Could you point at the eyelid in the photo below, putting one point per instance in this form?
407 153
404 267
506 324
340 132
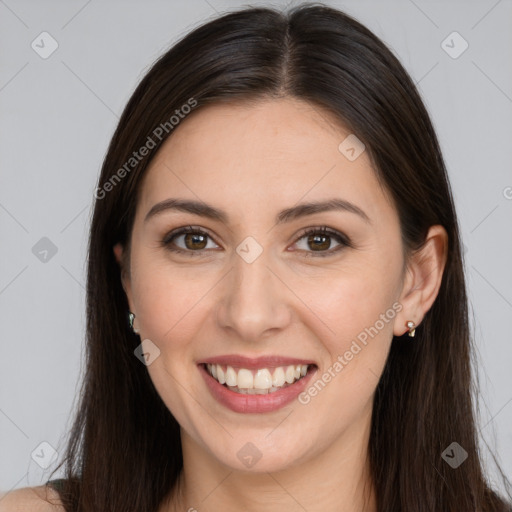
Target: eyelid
325 230
183 230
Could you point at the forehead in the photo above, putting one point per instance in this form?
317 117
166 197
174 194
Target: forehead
249 156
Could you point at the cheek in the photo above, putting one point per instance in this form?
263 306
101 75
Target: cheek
349 303
168 309
362 319
359 307
167 301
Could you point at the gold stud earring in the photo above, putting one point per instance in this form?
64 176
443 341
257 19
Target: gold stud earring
412 329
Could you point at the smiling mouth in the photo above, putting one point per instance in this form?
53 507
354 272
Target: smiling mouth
257 381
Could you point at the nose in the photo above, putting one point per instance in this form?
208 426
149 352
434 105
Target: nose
254 301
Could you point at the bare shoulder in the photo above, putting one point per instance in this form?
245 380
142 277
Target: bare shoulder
31 499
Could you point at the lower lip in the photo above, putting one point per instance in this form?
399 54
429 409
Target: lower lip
239 402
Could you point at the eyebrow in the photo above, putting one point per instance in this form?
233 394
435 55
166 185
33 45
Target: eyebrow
287 215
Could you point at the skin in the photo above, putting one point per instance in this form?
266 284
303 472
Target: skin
254 160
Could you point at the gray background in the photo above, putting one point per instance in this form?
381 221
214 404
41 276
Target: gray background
58 114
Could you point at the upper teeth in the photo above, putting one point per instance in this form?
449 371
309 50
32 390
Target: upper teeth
261 378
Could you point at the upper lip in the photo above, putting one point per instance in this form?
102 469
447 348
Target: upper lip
240 361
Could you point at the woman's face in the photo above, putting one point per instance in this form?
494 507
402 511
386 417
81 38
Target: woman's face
251 291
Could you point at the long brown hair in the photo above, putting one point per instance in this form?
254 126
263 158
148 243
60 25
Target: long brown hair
124 450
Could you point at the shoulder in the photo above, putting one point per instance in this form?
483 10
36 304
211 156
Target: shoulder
31 499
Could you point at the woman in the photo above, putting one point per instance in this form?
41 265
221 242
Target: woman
276 302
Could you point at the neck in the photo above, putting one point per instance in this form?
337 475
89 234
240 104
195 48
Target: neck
337 479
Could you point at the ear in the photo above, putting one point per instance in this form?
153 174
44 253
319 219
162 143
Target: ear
423 279
125 276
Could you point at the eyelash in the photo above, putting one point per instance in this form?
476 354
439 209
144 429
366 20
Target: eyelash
343 240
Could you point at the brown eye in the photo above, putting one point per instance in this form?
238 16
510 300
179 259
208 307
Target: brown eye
194 241
317 241
189 240
320 240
